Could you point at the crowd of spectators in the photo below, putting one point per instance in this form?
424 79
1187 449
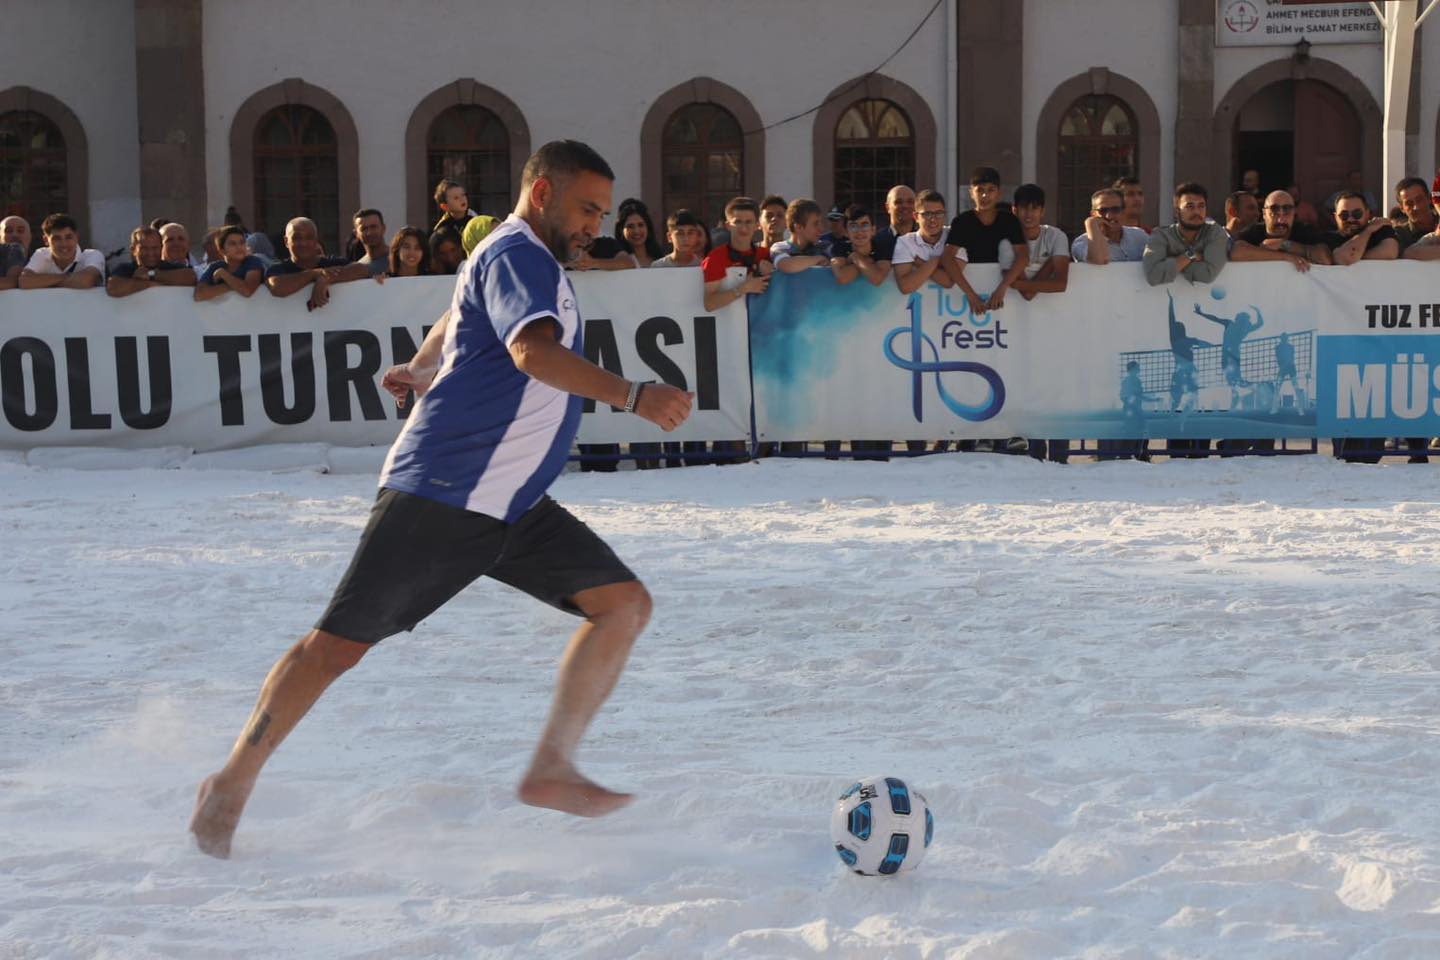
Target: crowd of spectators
913 241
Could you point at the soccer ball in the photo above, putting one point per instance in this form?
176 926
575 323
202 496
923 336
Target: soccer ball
881 826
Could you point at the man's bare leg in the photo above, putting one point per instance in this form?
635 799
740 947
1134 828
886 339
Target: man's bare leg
615 616
291 689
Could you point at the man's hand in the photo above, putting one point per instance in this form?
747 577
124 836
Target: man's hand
997 297
1094 226
977 306
402 378
1301 263
1275 243
756 283
319 293
664 406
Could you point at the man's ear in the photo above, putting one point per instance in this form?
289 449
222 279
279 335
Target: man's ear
542 193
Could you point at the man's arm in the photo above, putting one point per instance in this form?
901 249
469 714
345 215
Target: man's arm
30 280
1424 249
910 277
287 284
1053 277
1213 257
11 280
718 299
1007 282
125 286
871 269
419 371
1160 266
538 354
1387 249
83 279
955 272
184 277
801 264
1246 251
1097 248
844 270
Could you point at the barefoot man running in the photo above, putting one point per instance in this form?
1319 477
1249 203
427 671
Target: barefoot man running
462 494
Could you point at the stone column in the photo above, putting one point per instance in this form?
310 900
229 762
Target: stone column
1196 111
170 84
991 54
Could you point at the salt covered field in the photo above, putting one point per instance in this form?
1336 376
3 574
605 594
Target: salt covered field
1179 710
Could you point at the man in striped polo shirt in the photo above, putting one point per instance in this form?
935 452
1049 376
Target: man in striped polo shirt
501 379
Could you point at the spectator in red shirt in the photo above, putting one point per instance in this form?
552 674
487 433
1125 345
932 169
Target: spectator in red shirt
739 267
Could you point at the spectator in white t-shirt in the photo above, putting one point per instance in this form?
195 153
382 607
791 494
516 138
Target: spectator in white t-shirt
687 241
1049 268
62 262
916 261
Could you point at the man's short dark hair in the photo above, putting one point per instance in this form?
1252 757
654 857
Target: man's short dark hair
742 203
773 199
1122 182
368 212
224 233
59 221
1029 195
561 159
1096 198
1344 195
1232 202
929 196
682 218
140 233
799 211
984 175
446 234
1191 188
857 211
444 187
1409 182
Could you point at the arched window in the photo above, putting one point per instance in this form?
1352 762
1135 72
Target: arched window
33 173
1099 141
297 174
874 150
470 145
702 162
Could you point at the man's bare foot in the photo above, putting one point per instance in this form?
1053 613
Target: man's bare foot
569 792
217 814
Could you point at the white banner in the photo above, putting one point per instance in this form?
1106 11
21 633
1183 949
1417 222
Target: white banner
157 369
1284 22
1111 357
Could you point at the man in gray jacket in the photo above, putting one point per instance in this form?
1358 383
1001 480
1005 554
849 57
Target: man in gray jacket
1190 247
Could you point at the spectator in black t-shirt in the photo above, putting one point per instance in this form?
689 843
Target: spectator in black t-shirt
146 269
1421 219
1360 234
837 241
772 220
307 267
1242 211
865 258
979 233
1279 237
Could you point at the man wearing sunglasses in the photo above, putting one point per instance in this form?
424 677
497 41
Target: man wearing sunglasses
1280 237
1359 235
1106 237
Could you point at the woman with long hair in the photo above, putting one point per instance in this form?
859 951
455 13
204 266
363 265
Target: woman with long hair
409 253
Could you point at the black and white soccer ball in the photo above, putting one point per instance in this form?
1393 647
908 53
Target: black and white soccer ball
881 826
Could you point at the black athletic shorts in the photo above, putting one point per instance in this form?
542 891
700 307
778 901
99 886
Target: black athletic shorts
417 553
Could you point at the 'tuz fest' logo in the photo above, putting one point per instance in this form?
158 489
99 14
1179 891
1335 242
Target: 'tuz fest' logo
956 332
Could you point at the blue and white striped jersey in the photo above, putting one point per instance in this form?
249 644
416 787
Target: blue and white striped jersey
486 437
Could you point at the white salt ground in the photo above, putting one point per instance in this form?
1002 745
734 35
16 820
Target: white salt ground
1186 710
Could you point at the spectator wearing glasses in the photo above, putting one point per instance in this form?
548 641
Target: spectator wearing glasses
146 269
1242 211
772 220
1106 238
865 258
62 262
917 261
1133 195
1421 220
1279 237
236 268
1359 234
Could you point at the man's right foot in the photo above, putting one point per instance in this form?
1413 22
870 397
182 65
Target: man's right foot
571 793
217 814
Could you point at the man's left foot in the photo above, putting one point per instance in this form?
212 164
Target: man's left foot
571 793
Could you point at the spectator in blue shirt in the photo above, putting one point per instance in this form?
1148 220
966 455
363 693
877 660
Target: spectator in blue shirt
237 269
1105 237
308 267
